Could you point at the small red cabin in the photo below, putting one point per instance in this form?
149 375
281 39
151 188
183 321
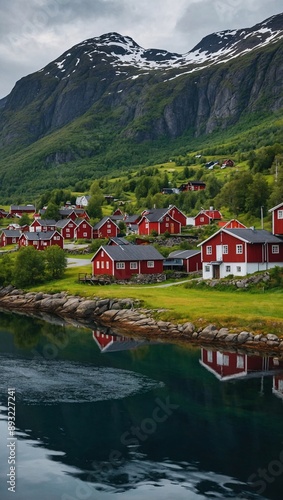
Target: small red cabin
9 237
67 228
106 228
84 230
41 240
122 261
158 220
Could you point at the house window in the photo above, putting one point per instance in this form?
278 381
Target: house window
150 263
67 230
275 248
228 269
102 253
240 361
133 265
107 265
225 249
201 219
239 269
280 214
98 265
85 235
102 265
209 356
108 225
108 231
167 224
207 269
120 265
239 249
13 240
209 250
84 226
167 218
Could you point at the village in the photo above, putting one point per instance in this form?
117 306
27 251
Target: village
232 250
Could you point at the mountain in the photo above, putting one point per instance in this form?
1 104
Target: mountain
107 102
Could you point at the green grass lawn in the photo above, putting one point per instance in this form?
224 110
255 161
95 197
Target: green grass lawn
257 311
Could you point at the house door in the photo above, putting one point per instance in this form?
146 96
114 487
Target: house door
172 228
218 252
216 272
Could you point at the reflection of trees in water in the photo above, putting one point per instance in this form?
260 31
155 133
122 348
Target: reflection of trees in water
28 330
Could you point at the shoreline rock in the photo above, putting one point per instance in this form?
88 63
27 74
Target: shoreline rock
126 317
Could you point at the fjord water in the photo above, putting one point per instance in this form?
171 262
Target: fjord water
104 417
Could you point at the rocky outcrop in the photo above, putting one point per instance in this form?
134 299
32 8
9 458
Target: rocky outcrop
125 316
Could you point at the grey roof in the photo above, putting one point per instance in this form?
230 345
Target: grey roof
156 214
22 207
64 222
46 222
41 235
254 235
184 254
132 252
102 221
131 219
119 241
16 233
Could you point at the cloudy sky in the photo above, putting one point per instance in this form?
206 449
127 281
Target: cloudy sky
34 33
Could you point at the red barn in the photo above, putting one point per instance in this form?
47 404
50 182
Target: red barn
84 230
41 240
67 228
240 252
106 228
9 237
158 220
42 225
232 365
125 260
277 219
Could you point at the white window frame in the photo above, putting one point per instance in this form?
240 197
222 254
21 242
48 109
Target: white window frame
239 269
280 214
239 249
228 269
150 264
107 264
240 361
207 269
275 248
208 250
225 250
209 356
97 264
120 265
133 265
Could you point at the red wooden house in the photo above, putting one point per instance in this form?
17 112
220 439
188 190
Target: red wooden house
277 219
84 230
125 260
41 240
118 211
106 228
232 365
188 261
277 385
42 225
214 214
9 237
3 213
19 210
67 228
232 224
193 186
158 220
176 214
240 252
202 219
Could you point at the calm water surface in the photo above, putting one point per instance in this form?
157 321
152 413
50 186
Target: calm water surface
104 417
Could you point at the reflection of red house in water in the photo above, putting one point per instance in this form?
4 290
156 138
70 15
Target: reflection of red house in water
113 343
277 388
232 365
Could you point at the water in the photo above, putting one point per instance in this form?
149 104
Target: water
104 417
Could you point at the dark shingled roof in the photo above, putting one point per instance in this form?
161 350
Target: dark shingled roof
253 235
132 252
184 254
41 235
